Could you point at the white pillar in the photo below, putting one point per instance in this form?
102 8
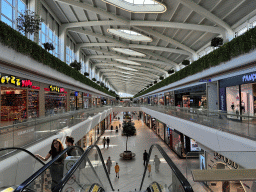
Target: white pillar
63 43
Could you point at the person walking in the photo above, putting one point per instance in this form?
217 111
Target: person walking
111 127
56 170
157 163
104 142
117 169
145 157
149 169
109 164
108 141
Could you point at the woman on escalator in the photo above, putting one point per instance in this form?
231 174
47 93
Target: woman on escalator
56 168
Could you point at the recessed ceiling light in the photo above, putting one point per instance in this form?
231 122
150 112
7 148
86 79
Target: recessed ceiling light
139 6
128 62
130 35
129 52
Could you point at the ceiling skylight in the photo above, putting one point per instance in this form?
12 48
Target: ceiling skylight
138 6
126 73
129 52
130 35
127 61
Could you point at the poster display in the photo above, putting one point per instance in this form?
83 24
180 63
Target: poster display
194 145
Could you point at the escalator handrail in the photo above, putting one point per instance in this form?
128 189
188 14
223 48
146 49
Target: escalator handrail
65 179
184 182
29 180
24 150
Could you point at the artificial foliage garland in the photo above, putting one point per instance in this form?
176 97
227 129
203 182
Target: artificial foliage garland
15 40
237 46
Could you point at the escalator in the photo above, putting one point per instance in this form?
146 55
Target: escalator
11 154
88 173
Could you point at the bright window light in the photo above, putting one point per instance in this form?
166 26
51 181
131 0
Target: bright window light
127 62
130 35
129 52
138 6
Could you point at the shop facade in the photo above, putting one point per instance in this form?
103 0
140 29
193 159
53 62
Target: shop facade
87 100
169 98
191 97
237 95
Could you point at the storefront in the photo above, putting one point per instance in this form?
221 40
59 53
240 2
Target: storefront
154 100
161 99
19 99
238 95
168 136
87 100
55 100
160 129
194 97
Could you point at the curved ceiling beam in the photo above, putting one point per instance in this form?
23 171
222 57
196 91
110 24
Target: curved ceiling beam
97 10
145 52
123 71
205 13
165 24
146 60
155 48
113 63
112 75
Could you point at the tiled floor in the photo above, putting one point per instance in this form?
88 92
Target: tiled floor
131 171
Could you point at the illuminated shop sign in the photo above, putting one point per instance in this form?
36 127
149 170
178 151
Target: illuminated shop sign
16 81
55 89
35 87
250 77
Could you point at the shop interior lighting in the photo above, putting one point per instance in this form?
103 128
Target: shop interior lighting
128 62
129 35
129 52
138 6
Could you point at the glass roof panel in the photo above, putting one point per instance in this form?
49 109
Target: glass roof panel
127 68
129 52
130 35
127 61
139 6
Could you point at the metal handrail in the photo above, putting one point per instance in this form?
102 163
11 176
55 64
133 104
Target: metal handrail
184 182
58 188
28 181
24 150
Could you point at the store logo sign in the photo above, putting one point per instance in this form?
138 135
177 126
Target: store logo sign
15 81
251 77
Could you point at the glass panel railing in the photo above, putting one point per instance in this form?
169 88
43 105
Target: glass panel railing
47 177
20 164
163 171
211 163
27 132
241 125
89 169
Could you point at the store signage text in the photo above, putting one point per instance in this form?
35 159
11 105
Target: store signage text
251 77
35 87
16 81
205 80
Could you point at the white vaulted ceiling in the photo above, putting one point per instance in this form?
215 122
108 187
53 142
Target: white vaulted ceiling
171 35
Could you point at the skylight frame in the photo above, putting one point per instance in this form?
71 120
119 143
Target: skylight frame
129 52
138 8
126 68
129 36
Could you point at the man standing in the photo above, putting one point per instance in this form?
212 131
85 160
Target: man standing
108 141
109 164
70 142
145 157
104 142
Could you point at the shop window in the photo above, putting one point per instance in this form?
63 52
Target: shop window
233 101
55 103
247 99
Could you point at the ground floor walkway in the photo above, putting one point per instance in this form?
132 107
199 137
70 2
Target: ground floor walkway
131 171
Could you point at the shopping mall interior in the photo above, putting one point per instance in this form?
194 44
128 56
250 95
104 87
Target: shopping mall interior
107 80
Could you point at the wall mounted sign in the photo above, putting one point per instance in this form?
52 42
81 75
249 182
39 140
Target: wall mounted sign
250 77
15 81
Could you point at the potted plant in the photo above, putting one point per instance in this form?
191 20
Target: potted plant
155 82
48 46
128 131
76 65
86 74
161 78
170 71
102 84
185 62
93 79
98 82
216 42
28 22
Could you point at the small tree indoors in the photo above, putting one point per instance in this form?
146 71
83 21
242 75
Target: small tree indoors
128 130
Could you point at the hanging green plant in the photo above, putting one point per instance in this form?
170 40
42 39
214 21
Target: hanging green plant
28 22
185 62
76 65
216 42
170 71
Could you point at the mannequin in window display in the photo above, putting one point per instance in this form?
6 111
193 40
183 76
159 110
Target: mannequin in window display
232 106
243 106
237 110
